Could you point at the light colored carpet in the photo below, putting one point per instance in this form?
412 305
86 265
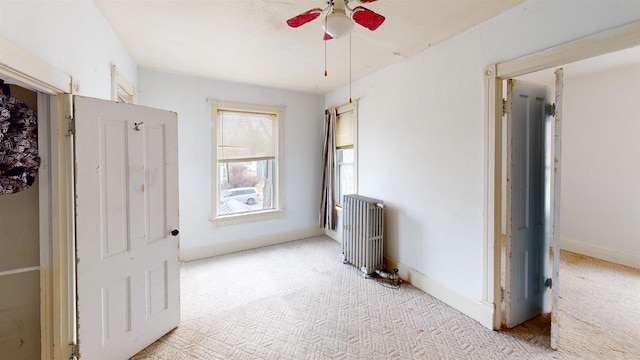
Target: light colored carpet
298 301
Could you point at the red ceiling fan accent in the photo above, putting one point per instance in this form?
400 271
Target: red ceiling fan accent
304 18
360 15
367 18
338 16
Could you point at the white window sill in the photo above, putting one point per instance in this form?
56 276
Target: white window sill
248 217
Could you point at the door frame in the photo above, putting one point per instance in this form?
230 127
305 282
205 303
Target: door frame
604 42
57 320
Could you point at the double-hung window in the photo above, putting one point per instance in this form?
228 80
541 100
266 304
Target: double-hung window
247 150
346 130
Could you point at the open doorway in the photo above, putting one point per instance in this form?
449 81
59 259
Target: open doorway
601 134
24 219
600 201
616 39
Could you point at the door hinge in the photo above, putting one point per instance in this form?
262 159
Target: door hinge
548 283
75 352
72 126
551 109
505 110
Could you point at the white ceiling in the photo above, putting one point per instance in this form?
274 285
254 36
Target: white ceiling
248 41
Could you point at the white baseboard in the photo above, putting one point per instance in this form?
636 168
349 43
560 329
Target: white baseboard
479 311
486 316
334 235
622 258
202 252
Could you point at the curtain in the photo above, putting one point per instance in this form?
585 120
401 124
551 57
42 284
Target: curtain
327 206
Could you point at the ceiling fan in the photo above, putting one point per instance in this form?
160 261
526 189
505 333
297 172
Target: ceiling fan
339 17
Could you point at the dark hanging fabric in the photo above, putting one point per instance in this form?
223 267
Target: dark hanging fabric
19 159
6 89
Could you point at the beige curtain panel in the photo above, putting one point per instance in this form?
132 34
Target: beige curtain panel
327 206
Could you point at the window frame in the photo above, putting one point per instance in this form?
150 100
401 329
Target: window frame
278 201
343 109
122 90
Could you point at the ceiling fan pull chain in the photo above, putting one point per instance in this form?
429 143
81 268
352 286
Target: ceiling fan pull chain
350 66
325 50
325 58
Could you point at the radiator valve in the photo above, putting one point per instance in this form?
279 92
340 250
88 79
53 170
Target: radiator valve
393 277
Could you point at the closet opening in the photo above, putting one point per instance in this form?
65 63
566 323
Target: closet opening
25 222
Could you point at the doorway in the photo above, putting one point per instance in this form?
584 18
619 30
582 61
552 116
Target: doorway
601 134
25 224
600 201
598 44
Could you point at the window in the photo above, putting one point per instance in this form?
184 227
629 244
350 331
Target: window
121 89
346 130
345 180
245 153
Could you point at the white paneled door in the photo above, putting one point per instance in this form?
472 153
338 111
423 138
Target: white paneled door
126 227
527 251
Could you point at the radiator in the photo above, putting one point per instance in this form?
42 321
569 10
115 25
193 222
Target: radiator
362 236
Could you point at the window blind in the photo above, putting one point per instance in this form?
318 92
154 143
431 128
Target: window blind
344 130
244 136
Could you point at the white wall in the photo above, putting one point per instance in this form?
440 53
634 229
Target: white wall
301 165
71 36
600 210
421 134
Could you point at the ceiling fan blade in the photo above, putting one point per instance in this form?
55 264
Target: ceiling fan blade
327 37
304 18
367 18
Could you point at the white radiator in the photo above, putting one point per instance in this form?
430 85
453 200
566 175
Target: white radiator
362 236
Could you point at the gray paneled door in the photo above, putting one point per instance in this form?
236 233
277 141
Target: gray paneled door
527 245
127 219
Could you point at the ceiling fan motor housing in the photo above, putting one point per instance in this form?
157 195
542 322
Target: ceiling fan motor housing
339 17
338 24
